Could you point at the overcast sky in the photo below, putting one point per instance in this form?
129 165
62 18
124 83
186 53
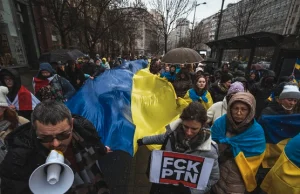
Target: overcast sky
204 11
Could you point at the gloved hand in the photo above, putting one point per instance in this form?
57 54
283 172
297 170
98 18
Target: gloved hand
183 189
140 142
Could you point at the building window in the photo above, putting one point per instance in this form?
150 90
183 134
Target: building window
293 20
296 8
290 31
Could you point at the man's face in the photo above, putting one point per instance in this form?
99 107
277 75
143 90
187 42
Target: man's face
56 137
9 82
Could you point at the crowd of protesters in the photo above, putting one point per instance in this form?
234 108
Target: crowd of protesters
222 121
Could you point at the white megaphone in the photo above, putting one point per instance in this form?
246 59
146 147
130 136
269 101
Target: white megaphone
53 177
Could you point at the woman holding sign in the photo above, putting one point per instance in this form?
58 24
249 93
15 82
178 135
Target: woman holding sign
187 136
241 144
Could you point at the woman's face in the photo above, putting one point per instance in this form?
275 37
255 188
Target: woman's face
239 111
227 84
167 69
288 103
252 76
191 128
201 83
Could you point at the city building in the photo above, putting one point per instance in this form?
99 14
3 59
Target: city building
205 31
279 17
18 42
180 32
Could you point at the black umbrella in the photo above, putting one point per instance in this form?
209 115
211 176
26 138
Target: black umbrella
62 55
182 55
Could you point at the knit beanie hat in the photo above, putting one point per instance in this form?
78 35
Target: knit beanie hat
199 69
3 93
236 87
225 78
290 91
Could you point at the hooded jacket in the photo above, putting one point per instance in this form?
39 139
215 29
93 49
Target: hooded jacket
261 92
19 96
59 83
17 82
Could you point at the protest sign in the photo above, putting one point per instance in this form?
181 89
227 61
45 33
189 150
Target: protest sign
173 168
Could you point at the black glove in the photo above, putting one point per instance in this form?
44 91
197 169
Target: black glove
183 189
140 142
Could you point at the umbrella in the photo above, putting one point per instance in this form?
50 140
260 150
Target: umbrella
182 55
62 55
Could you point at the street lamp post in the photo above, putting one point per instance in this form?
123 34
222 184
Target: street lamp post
219 21
192 33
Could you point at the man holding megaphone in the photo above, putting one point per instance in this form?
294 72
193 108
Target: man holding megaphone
55 153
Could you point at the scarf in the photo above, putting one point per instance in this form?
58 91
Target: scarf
195 97
182 144
222 87
88 178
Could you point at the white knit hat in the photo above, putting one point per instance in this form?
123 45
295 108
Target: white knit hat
290 91
3 93
199 69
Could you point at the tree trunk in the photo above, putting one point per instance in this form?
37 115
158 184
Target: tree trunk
166 43
64 41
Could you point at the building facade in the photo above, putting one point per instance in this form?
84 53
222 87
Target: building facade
181 32
269 16
206 30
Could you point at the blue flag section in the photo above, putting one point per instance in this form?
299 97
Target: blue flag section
280 127
106 102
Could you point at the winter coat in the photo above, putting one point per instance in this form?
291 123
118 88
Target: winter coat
19 92
207 149
205 99
216 111
61 87
217 93
261 92
274 108
25 154
170 77
75 75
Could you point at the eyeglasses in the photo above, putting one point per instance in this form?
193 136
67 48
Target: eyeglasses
241 110
49 138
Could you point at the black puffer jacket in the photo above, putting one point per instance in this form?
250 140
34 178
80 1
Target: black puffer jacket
261 91
217 93
25 154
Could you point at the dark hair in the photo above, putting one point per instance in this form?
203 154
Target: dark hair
11 116
155 66
50 112
194 111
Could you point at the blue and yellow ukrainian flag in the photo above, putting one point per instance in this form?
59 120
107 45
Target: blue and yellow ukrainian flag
279 129
127 103
248 148
285 174
205 99
297 64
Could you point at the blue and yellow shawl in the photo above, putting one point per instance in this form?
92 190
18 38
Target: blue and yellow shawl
285 174
248 148
279 129
205 99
